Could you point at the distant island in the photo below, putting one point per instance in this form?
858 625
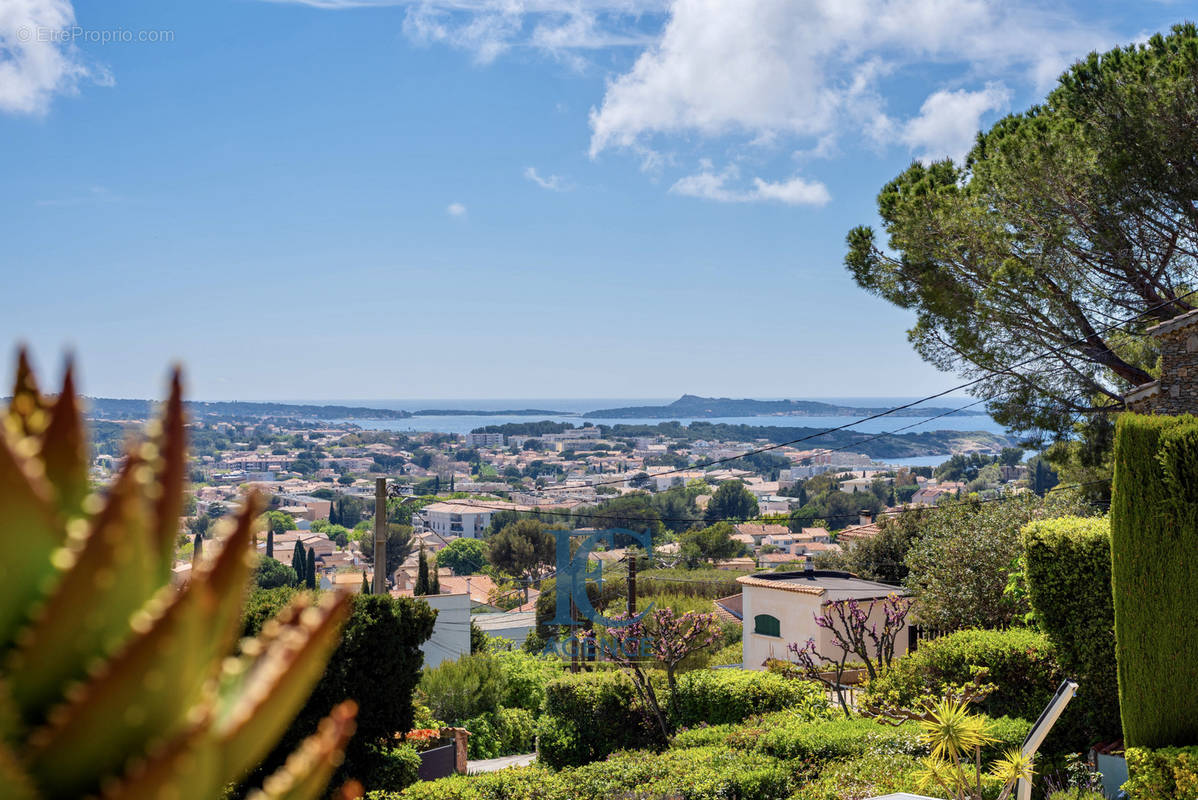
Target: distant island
115 408
474 412
693 406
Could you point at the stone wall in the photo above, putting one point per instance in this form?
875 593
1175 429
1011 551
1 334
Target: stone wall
1177 390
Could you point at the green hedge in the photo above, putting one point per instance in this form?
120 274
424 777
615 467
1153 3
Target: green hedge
504 732
1154 543
700 773
393 770
1069 585
718 696
588 716
1021 662
1170 773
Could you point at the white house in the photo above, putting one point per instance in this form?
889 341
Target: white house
780 608
451 631
457 519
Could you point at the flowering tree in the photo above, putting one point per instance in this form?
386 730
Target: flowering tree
853 635
666 638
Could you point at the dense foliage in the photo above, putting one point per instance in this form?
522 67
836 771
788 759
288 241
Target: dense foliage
1021 663
1064 217
1154 546
1068 569
1168 773
961 563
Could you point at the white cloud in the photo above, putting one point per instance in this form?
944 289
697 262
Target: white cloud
455 210
36 60
948 121
489 28
719 186
807 68
554 183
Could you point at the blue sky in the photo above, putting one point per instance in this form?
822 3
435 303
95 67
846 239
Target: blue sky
487 198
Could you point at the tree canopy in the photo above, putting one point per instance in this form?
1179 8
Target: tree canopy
1064 219
522 549
463 555
731 501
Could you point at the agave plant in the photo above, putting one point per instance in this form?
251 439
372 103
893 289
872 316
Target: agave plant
113 683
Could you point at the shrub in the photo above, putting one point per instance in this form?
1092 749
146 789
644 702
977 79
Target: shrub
505 732
708 583
699 773
1168 773
459 690
814 743
869 775
702 736
1154 544
525 678
731 695
517 783
727 656
1069 585
1021 664
588 716
393 770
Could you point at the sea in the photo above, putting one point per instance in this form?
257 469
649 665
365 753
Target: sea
575 410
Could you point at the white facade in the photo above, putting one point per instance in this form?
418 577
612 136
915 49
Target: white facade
451 631
484 439
457 519
789 602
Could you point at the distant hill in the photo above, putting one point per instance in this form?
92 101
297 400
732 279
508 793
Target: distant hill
693 406
892 445
114 408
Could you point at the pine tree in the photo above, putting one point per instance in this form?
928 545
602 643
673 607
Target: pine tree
365 583
423 586
270 543
310 572
299 561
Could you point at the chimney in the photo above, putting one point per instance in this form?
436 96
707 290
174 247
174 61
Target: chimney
867 516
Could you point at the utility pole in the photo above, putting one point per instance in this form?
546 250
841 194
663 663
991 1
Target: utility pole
380 536
630 554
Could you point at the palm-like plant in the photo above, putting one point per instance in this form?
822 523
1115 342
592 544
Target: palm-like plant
956 738
113 683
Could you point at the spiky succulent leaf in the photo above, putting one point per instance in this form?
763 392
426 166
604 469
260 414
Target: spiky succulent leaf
265 688
307 770
145 692
111 680
30 525
106 577
64 452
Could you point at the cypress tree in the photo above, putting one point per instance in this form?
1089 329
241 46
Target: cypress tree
197 548
422 582
434 580
451 477
299 561
270 543
334 517
365 583
310 572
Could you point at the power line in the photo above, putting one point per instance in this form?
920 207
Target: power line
1050 352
